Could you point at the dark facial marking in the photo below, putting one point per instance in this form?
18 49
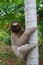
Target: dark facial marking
15 27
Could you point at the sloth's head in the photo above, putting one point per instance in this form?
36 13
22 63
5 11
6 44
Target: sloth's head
15 27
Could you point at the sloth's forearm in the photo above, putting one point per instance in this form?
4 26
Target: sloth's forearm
24 38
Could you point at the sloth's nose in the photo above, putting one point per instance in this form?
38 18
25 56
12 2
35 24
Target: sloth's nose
13 26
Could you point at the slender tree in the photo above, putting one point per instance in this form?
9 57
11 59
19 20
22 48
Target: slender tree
31 21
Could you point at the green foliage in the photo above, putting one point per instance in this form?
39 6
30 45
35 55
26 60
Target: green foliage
10 11
40 23
5 37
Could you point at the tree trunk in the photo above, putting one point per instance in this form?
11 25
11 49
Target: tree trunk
31 21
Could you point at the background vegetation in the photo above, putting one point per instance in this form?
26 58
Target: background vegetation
13 10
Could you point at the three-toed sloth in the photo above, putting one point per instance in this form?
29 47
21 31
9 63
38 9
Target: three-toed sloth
19 40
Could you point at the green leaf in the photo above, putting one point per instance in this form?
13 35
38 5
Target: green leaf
37 1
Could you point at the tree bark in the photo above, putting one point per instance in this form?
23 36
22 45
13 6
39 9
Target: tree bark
31 21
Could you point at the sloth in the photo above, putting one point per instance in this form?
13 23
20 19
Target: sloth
19 40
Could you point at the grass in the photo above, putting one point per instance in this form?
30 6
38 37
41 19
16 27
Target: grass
8 58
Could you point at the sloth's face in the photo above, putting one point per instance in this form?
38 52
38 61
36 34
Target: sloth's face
15 27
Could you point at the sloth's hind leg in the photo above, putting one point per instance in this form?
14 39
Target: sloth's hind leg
23 50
